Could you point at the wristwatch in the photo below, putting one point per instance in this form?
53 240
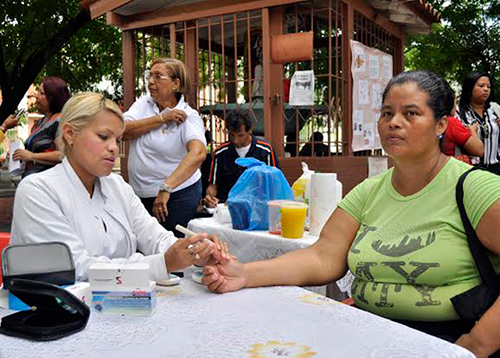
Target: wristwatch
166 188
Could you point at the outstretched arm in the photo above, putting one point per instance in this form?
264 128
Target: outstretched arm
323 262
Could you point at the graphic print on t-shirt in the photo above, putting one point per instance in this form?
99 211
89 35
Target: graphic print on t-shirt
393 242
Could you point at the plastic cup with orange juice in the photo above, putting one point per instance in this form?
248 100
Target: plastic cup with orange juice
293 219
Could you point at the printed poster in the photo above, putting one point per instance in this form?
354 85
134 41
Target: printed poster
371 69
302 88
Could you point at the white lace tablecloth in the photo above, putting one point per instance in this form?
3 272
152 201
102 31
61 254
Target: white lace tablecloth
263 322
254 245
250 246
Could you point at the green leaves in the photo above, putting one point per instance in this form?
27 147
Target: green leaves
54 38
93 54
468 39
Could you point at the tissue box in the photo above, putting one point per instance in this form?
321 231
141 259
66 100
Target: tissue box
119 277
125 302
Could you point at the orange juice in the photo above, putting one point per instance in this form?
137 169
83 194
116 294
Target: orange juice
293 218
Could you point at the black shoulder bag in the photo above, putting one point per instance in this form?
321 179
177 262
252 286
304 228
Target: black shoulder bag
472 304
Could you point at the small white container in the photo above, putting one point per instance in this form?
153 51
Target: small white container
221 214
275 215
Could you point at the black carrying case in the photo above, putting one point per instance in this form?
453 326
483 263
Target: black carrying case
50 262
32 272
55 312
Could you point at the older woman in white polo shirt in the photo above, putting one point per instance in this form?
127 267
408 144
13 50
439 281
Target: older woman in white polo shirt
167 146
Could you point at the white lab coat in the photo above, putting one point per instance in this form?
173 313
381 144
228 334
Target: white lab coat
55 206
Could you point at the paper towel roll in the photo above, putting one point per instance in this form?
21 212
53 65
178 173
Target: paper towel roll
323 201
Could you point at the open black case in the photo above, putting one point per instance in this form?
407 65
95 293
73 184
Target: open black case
32 273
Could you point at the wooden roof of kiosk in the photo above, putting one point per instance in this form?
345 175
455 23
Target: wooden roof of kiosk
367 21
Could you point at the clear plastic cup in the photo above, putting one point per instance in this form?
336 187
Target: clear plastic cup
293 219
275 215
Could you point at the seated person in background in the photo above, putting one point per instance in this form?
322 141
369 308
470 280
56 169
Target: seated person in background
97 214
320 148
224 172
400 232
461 140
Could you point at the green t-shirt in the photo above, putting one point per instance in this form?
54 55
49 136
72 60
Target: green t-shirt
410 255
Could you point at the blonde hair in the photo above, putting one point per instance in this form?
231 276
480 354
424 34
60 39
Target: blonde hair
176 70
80 111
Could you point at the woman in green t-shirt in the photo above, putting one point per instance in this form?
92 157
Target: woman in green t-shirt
400 233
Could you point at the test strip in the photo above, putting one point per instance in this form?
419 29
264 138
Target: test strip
185 231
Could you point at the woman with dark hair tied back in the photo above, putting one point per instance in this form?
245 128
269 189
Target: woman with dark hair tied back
400 233
476 107
40 151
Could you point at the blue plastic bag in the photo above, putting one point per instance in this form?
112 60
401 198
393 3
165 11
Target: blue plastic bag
247 200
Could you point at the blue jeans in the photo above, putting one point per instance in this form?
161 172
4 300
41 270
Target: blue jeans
181 207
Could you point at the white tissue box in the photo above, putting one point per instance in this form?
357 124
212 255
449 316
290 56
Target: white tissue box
125 303
119 277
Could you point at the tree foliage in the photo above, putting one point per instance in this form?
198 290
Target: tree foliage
93 54
53 38
466 40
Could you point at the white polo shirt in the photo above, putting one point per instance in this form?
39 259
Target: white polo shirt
155 155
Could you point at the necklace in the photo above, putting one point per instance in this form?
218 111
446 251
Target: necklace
480 120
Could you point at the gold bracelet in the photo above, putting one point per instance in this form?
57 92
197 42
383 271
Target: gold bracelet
161 118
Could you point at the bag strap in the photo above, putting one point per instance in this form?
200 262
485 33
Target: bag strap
478 251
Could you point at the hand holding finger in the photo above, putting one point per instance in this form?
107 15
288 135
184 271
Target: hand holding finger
203 257
195 239
203 248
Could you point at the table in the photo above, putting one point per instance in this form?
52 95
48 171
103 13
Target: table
256 245
191 322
